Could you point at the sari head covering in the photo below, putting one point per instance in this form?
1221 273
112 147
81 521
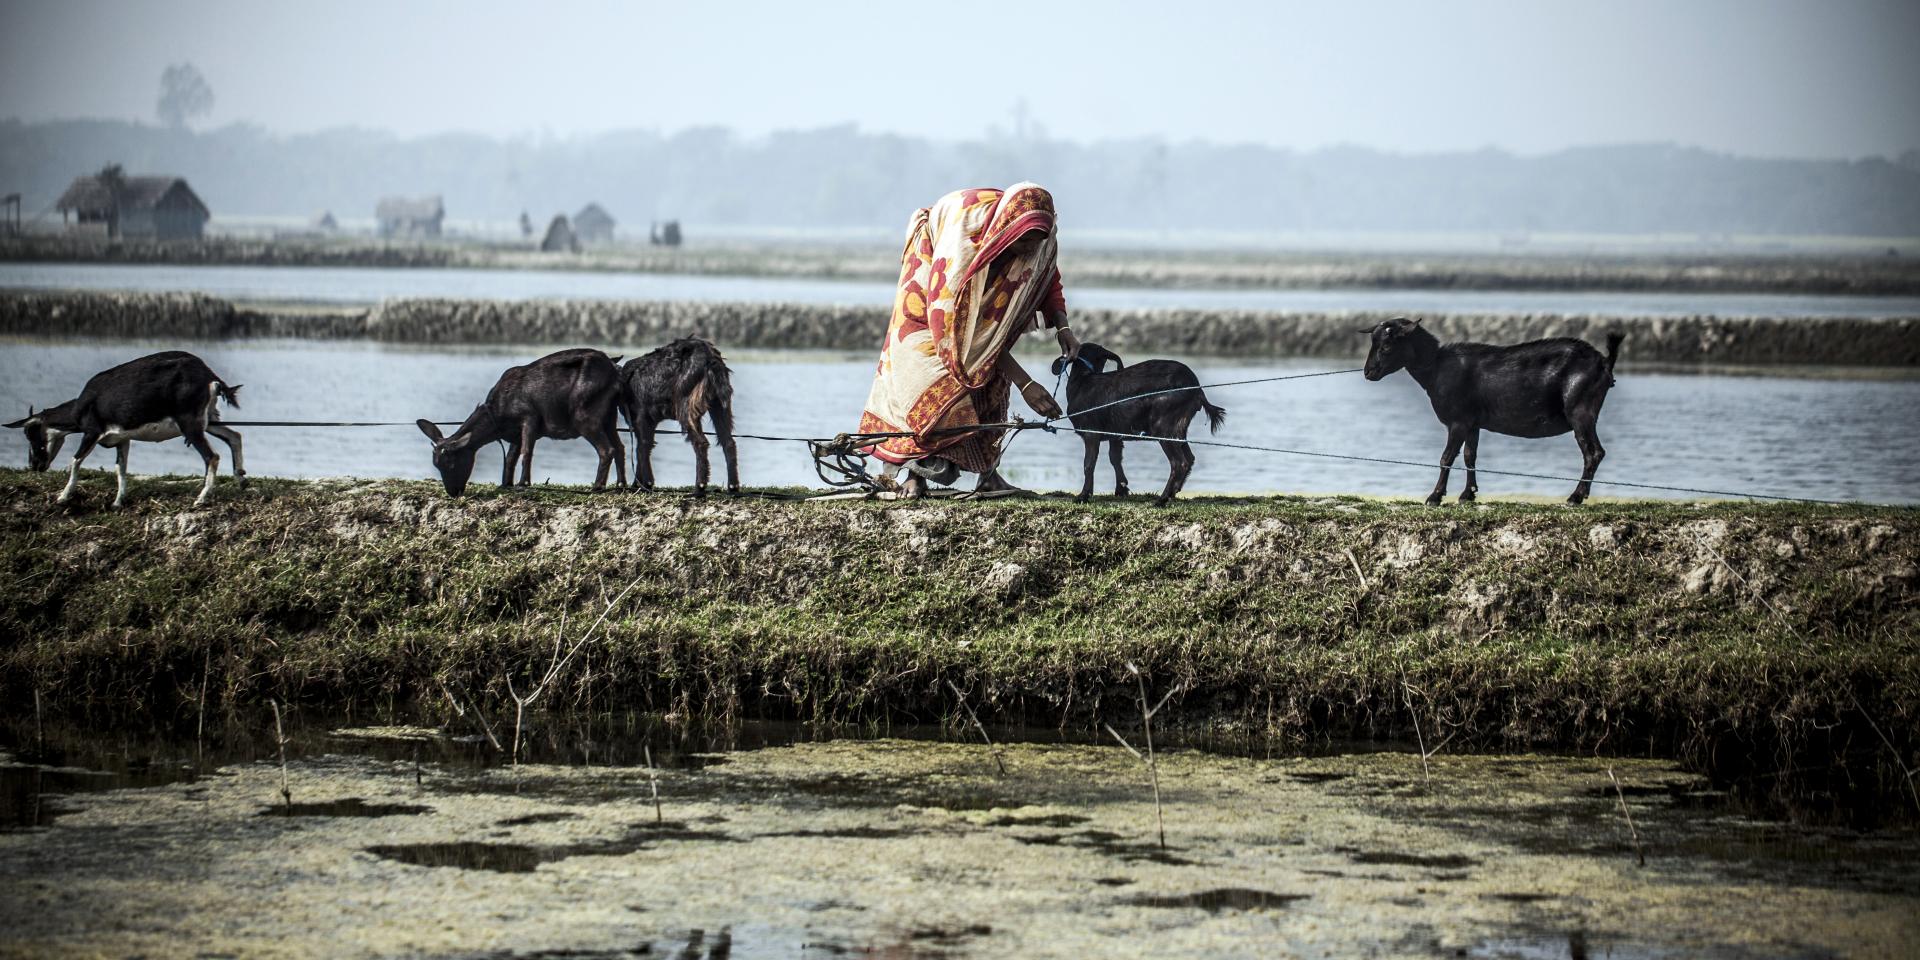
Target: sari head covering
965 296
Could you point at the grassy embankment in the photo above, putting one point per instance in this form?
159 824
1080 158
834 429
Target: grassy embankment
1859 274
1765 643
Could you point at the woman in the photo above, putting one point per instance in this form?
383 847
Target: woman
977 268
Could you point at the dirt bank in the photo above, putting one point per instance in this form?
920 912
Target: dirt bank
626 325
1749 640
1702 273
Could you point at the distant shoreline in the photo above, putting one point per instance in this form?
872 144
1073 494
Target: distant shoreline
1825 274
1705 342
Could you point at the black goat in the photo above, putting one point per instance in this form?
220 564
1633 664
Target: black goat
1163 416
154 398
572 393
1542 388
682 381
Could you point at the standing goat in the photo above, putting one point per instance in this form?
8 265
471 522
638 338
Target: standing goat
561 396
1542 388
154 398
1163 416
682 381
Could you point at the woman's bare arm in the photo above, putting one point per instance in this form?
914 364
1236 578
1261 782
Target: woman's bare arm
1036 395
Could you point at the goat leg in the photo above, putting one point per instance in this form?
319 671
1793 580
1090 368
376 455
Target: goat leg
1114 449
120 472
1177 466
643 440
87 443
232 439
1092 460
1591 452
198 441
1455 437
1471 449
528 437
508 462
722 417
701 468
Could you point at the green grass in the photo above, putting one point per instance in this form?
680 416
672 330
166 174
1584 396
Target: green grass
1516 622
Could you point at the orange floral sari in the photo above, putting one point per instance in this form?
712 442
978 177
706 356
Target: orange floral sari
962 302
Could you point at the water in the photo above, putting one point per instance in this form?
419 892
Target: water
365 285
1819 438
786 842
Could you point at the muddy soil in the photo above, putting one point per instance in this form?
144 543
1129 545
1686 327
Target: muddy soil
912 848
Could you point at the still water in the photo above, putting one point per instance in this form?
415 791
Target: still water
364 285
410 841
1820 438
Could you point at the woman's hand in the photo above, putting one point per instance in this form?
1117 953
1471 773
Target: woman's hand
1040 400
1069 344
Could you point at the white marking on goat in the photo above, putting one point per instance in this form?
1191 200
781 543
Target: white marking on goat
73 480
155 432
120 471
213 467
232 438
54 439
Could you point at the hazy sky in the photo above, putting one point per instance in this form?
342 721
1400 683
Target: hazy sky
1812 79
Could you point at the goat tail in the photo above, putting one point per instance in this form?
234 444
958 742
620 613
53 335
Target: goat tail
1215 415
1613 352
230 394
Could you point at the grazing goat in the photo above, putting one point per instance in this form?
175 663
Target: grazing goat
154 398
1542 388
1163 416
572 393
682 381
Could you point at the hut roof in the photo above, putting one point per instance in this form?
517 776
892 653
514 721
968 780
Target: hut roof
559 236
90 194
592 216
409 208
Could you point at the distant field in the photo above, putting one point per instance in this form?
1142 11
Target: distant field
1869 272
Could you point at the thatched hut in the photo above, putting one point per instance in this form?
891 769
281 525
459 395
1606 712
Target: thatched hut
149 208
560 237
410 216
593 224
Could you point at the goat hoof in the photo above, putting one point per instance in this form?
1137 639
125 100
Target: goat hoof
1467 497
1577 499
1120 491
1433 501
243 481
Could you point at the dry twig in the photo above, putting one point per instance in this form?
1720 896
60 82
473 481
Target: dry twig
1631 832
977 725
1146 724
280 738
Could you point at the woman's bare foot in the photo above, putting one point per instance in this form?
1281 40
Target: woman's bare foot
915 488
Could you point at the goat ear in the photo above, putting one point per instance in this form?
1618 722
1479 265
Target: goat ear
1420 321
615 359
1059 364
431 429
17 424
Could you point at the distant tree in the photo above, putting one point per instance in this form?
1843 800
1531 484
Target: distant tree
114 180
183 93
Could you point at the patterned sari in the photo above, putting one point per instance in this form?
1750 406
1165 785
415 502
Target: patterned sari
963 301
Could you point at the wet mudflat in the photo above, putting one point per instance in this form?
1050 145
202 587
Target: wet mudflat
396 844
